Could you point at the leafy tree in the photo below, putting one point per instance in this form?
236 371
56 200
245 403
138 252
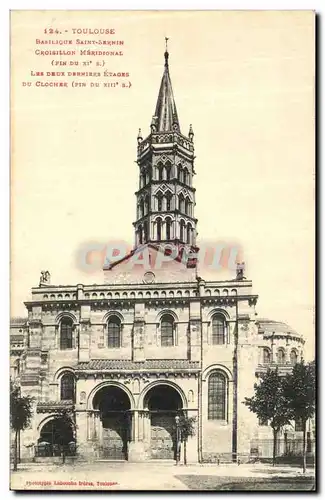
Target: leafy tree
269 403
186 427
300 391
20 415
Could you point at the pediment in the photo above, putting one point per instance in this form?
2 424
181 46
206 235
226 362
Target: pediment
148 264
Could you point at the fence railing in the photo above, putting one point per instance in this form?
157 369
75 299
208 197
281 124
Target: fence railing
55 450
293 447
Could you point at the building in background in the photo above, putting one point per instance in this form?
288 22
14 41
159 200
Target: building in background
126 356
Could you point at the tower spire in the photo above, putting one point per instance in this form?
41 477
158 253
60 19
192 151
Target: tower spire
166 196
165 117
166 51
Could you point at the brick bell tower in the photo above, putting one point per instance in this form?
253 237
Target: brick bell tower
166 196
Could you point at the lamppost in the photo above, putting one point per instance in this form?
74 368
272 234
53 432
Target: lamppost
178 440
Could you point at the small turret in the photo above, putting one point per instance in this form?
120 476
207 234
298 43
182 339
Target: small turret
139 138
153 125
190 134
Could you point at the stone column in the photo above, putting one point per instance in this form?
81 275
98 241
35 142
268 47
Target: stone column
136 446
82 434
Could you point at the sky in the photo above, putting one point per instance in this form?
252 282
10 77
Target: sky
244 80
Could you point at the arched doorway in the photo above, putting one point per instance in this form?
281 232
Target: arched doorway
163 403
114 404
56 437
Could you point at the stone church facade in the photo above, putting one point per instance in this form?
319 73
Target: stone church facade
154 340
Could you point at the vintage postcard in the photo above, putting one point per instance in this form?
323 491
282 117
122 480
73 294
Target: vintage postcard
162 250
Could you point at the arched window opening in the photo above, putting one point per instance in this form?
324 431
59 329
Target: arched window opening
188 207
159 203
168 228
140 235
168 202
217 396
114 332
66 328
266 356
159 226
160 172
145 231
188 234
182 231
293 357
180 173
67 387
186 176
218 330
280 356
146 205
181 203
141 207
168 170
167 330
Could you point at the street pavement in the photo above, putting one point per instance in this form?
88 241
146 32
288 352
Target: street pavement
106 475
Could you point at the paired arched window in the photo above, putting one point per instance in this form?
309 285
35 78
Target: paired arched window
293 357
167 330
114 332
218 329
163 201
66 329
217 396
280 356
266 356
67 387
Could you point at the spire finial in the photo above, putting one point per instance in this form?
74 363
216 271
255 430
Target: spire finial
166 51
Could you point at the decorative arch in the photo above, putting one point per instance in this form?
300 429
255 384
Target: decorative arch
67 314
166 312
162 382
217 310
64 369
216 367
109 384
112 313
48 419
